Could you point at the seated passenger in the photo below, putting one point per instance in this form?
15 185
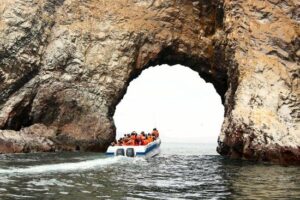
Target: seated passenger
125 141
155 133
145 141
153 136
138 140
131 142
120 142
143 135
133 135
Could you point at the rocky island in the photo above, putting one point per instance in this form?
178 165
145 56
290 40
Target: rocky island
66 64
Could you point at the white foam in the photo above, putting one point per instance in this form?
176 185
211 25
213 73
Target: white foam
49 182
62 167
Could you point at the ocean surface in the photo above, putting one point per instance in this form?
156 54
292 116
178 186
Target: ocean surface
181 171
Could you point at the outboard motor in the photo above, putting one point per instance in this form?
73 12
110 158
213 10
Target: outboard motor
130 152
120 152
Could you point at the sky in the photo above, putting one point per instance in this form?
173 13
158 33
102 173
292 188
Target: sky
175 100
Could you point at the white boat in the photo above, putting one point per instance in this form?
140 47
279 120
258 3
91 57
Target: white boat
149 150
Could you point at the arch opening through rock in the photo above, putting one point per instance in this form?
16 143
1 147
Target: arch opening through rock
174 99
211 69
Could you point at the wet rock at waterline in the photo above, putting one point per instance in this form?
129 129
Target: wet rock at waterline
65 65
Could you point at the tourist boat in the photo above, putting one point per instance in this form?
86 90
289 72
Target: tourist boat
150 150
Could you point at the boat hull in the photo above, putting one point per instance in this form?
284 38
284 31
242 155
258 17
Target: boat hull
149 150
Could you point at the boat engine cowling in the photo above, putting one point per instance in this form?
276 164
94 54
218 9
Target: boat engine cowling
120 152
130 152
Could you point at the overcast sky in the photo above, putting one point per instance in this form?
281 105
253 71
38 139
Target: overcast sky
176 101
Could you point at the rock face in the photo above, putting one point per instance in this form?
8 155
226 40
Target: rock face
66 64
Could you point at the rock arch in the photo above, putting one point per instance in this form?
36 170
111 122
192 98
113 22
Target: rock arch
66 64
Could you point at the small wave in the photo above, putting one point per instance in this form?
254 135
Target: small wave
62 167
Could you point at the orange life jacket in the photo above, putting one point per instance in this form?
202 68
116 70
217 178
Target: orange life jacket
150 139
131 142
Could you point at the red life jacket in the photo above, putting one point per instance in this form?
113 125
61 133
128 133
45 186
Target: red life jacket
145 142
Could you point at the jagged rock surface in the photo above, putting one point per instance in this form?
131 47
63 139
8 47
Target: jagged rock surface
65 65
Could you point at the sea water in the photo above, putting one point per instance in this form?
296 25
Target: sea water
181 171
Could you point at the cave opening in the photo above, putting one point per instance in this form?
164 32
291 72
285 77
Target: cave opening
174 99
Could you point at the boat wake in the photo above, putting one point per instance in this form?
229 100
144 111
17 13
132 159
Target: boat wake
62 167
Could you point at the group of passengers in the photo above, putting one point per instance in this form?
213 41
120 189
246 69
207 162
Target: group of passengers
135 139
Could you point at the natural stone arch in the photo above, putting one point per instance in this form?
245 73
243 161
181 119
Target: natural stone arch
169 56
66 64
